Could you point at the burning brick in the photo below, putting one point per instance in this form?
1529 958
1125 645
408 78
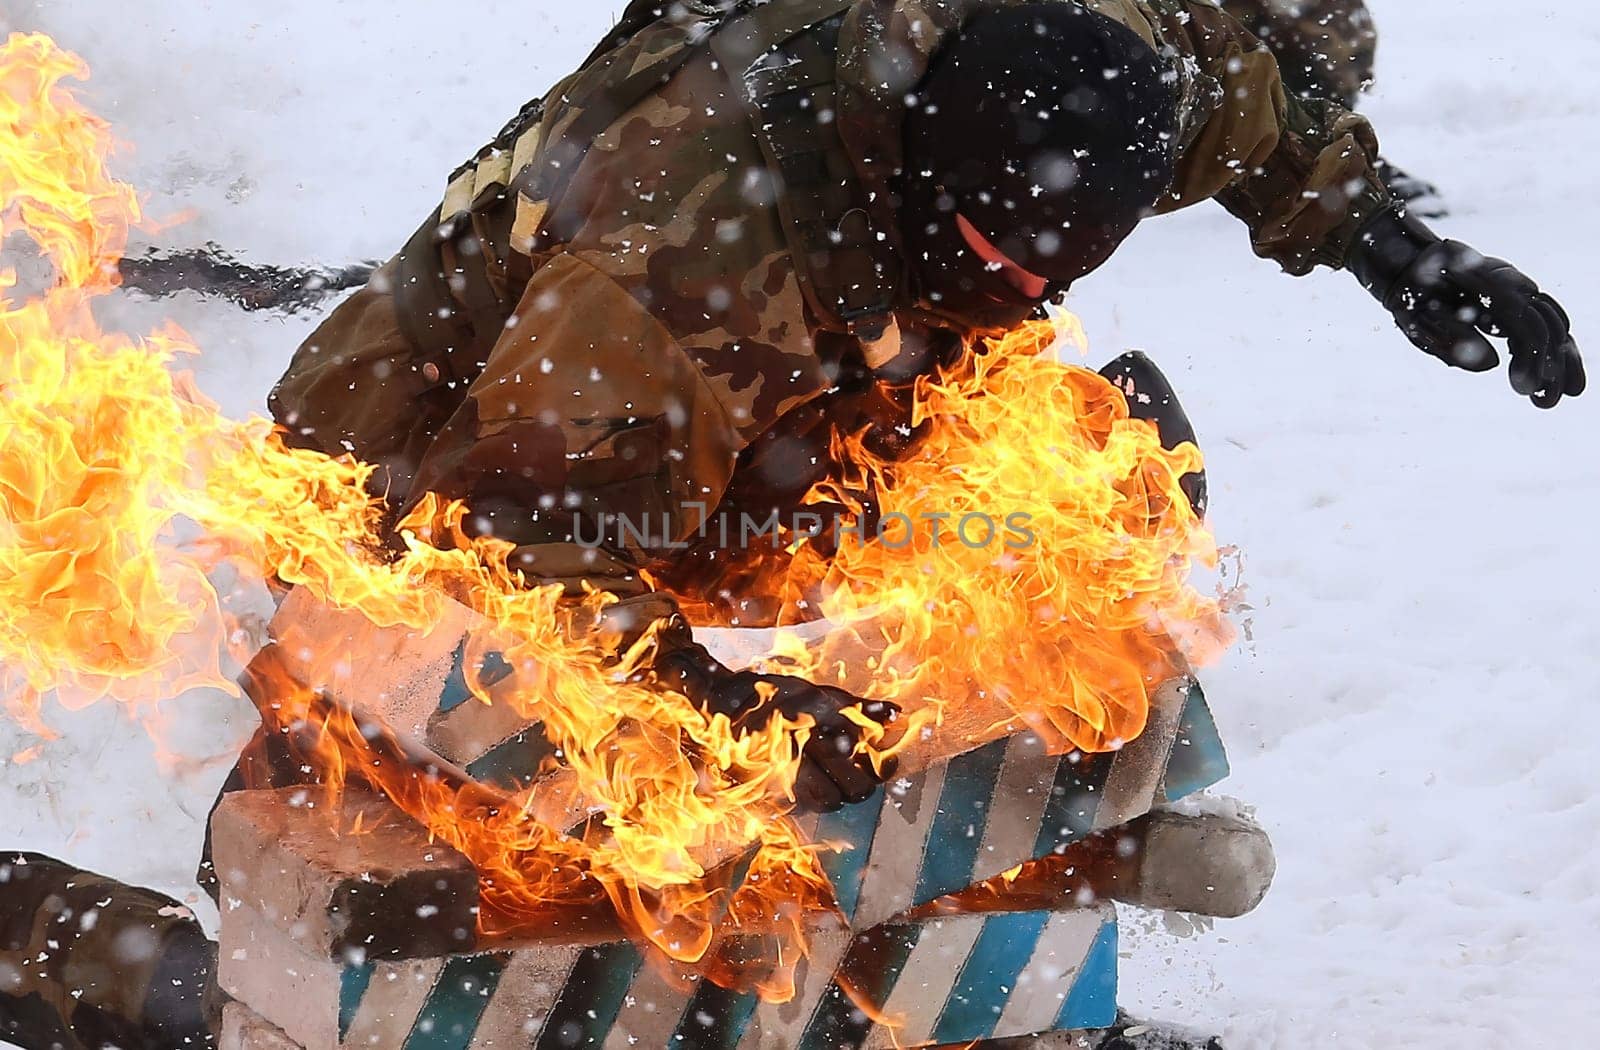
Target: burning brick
937 978
398 674
415 683
348 875
969 818
244 1029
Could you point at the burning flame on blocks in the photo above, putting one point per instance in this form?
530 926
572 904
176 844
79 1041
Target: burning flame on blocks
105 451
102 451
1071 631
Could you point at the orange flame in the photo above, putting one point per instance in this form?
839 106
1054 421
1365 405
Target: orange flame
105 454
1038 557
87 595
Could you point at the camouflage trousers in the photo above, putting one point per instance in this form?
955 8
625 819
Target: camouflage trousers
1325 48
89 963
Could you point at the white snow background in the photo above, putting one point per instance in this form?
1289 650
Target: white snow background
1413 713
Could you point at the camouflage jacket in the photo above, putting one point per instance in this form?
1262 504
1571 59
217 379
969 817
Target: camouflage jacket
654 292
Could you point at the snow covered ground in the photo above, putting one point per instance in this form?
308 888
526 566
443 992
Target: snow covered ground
1412 711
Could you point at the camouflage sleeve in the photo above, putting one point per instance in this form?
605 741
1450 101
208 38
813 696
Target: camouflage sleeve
1299 173
1325 48
87 962
591 440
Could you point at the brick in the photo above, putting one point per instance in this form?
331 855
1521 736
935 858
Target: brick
262 966
528 989
351 875
966 818
393 673
414 681
390 1000
952 979
244 1029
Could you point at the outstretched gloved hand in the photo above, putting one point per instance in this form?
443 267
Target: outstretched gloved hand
831 773
1446 298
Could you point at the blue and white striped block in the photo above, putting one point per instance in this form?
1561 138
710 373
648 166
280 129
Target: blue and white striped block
949 979
952 822
938 830
955 979
974 816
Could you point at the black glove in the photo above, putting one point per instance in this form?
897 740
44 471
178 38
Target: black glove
831 773
1445 297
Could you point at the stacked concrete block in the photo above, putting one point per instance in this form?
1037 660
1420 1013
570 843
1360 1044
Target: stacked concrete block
302 976
970 817
978 798
341 938
345 939
313 886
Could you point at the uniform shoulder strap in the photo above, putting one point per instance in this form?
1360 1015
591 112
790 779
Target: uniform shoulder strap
783 62
885 47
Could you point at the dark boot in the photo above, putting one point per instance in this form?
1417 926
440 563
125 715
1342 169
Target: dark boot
87 963
1126 1034
1151 397
1421 196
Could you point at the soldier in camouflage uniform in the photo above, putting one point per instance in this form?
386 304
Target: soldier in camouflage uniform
740 228
657 291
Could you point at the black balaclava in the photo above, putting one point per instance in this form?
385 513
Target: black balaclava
1051 129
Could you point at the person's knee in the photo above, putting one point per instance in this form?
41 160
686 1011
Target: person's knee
88 962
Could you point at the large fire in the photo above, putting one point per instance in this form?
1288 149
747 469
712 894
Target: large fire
1036 553
105 452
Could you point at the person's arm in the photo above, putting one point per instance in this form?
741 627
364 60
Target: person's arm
1300 174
